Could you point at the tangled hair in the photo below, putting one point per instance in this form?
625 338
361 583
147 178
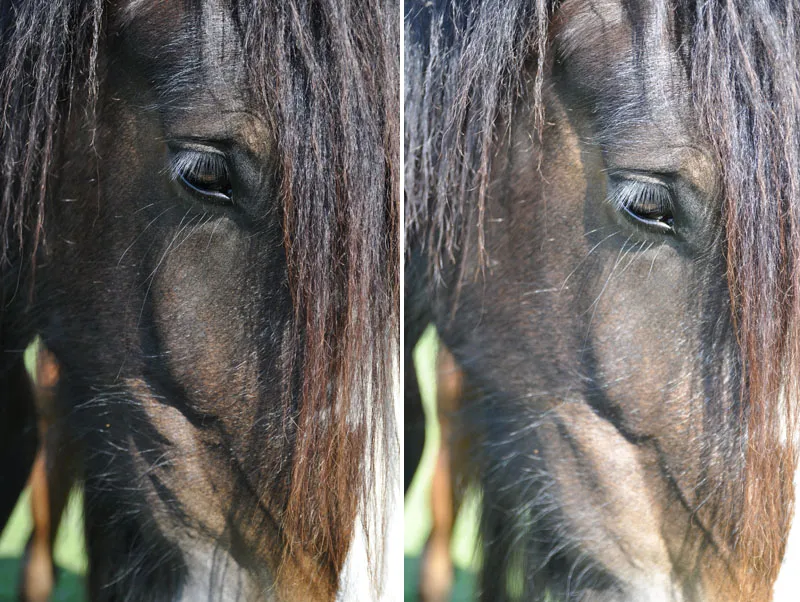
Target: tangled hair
465 62
328 72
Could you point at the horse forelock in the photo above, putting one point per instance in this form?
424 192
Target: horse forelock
468 61
747 89
320 67
46 47
327 73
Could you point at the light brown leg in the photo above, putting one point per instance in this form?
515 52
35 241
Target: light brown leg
436 567
37 572
50 482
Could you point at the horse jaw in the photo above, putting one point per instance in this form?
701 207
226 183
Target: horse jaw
212 569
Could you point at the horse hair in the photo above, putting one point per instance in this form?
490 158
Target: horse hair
327 73
466 63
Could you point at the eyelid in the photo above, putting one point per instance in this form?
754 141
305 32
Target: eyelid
627 191
189 160
645 200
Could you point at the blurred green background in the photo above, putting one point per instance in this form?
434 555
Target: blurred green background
417 508
70 551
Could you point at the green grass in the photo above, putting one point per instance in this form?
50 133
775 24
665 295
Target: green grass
463 586
417 510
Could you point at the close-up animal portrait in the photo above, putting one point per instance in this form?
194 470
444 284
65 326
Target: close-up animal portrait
602 221
200 230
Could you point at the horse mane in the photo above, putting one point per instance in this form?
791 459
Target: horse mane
465 65
46 47
331 69
328 72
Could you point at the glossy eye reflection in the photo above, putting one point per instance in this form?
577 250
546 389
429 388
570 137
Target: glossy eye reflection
203 173
645 202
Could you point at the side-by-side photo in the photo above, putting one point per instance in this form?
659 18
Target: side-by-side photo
601 284
200 230
382 300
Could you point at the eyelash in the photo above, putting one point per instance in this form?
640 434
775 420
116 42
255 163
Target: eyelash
187 166
652 200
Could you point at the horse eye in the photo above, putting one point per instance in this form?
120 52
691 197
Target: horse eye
647 203
204 174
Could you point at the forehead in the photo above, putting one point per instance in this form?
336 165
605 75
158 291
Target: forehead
189 52
592 24
191 55
622 61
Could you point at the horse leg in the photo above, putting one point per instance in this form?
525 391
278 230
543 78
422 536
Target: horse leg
51 481
436 567
37 573
18 434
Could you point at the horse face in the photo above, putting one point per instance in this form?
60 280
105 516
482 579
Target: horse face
604 344
176 338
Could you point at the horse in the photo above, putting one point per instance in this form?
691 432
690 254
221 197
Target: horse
602 224
436 571
199 217
50 482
